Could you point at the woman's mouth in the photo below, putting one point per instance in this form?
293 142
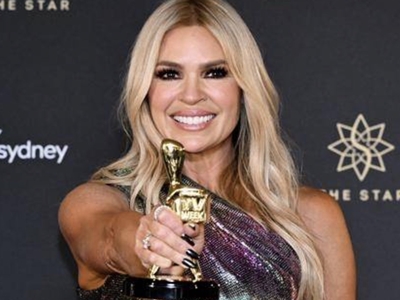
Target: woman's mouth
194 120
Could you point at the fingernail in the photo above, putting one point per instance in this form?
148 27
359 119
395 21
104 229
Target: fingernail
188 263
187 239
192 254
192 225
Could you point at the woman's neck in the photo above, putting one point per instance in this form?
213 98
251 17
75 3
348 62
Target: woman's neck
206 169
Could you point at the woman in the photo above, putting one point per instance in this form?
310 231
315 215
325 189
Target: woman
196 76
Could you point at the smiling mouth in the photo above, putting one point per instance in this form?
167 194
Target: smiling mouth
194 120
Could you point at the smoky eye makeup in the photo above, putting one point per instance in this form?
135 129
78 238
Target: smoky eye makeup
217 72
212 71
167 73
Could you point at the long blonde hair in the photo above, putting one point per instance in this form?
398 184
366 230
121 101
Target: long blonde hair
263 169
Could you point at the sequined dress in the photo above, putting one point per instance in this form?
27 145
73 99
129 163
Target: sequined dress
249 261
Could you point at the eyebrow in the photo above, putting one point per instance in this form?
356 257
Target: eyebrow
204 66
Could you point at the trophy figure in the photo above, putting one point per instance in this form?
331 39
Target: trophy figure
192 205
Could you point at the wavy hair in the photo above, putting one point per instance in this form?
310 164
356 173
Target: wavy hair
263 169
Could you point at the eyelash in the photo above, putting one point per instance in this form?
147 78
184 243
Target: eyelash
217 72
167 74
172 74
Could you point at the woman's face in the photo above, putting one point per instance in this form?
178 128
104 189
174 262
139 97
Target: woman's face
193 97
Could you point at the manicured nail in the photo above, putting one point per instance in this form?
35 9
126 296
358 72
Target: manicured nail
192 254
188 263
187 239
192 225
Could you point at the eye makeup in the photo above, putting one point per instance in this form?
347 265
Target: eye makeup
167 73
216 72
172 71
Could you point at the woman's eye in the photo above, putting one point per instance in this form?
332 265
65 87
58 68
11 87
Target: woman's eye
219 72
167 74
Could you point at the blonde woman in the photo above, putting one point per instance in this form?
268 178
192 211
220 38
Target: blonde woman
196 76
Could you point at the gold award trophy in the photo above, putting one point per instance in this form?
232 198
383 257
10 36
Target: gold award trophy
192 205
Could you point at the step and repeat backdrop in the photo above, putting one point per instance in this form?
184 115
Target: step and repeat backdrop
336 65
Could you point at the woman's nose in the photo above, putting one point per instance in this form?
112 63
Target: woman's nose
192 91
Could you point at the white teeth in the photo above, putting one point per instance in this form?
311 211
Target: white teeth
193 120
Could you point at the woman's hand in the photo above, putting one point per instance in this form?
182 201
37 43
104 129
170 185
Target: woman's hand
164 241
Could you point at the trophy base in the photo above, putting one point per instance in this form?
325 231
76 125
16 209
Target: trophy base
147 288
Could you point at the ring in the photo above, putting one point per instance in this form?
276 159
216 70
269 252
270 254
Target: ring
146 241
158 211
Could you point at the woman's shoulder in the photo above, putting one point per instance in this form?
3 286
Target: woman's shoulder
88 199
319 210
315 200
94 191
325 221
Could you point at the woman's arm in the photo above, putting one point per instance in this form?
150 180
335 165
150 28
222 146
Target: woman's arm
90 217
324 218
105 236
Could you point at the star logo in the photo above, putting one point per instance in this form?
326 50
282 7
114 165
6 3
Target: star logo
361 147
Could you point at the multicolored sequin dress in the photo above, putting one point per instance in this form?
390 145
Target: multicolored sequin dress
249 261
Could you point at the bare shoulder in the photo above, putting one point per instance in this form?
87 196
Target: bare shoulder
318 209
311 198
94 194
88 201
325 221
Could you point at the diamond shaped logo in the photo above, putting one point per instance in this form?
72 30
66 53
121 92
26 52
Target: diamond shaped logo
361 147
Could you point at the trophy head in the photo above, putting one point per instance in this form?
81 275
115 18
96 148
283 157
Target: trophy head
173 154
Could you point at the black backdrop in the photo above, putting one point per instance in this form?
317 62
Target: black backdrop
336 65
